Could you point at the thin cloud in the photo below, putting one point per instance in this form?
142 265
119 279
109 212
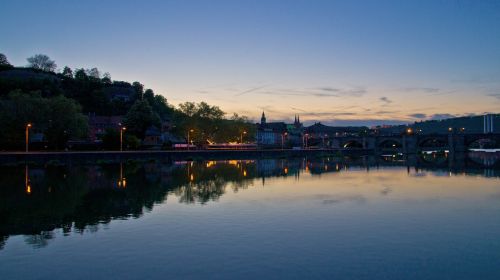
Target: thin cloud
496 95
442 116
330 89
251 90
298 109
385 100
321 92
422 89
418 116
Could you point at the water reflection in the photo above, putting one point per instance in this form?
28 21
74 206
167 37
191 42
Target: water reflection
81 198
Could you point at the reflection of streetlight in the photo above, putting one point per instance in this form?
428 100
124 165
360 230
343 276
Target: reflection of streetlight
122 129
28 126
27 183
283 139
189 131
122 182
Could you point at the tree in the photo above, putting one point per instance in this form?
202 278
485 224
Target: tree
139 89
67 72
94 73
42 62
161 107
81 75
58 118
188 108
140 117
3 60
210 112
106 78
149 95
65 121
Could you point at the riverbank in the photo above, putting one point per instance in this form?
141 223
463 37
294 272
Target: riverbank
116 156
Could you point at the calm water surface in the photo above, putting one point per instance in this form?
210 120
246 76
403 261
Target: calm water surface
365 218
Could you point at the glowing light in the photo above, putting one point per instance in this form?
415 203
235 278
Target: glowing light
191 177
28 189
244 173
285 170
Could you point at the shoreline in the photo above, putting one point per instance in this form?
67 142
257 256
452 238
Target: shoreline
93 156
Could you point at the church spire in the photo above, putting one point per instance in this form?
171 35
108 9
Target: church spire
263 118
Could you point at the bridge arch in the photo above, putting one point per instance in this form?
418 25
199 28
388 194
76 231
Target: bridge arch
483 141
352 144
433 142
390 144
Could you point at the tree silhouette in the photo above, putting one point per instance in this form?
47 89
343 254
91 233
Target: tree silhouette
3 60
42 62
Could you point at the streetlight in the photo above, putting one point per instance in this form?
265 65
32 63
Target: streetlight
307 138
28 126
122 129
189 131
283 139
241 136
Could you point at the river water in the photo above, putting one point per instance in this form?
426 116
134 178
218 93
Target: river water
430 217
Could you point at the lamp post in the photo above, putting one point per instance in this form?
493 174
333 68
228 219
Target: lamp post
122 129
306 136
28 126
283 139
241 136
189 131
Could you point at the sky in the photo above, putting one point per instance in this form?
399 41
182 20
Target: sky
339 62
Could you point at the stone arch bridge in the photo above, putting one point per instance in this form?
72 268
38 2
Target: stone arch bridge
416 143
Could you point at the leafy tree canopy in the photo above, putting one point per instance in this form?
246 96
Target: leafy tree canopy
57 118
140 117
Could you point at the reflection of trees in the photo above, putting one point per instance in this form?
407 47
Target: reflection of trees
2 241
201 192
81 198
39 240
199 182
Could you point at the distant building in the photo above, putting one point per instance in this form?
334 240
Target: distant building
295 133
488 123
152 138
99 124
270 134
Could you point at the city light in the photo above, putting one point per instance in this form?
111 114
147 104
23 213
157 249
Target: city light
188 138
28 126
121 137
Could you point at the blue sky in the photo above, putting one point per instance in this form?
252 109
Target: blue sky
339 62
